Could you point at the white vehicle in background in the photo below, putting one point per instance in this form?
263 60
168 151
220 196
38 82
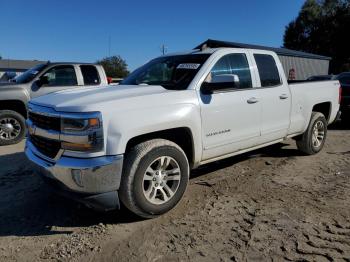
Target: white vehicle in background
138 142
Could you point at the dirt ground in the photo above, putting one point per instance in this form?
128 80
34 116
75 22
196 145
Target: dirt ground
268 205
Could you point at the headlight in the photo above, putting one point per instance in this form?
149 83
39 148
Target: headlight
82 134
78 125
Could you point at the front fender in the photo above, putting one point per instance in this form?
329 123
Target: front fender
19 93
127 125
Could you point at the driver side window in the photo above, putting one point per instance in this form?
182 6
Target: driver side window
60 76
234 64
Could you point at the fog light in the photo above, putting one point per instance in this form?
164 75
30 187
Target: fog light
77 177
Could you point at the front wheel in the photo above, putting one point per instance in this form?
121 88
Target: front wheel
155 177
312 141
12 127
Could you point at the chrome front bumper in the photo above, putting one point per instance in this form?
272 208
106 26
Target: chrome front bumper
89 178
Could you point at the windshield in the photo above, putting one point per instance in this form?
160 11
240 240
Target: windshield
29 75
171 72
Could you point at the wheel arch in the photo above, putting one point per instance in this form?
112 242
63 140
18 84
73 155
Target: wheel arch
324 108
14 105
182 136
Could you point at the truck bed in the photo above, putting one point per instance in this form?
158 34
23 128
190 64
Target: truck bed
308 93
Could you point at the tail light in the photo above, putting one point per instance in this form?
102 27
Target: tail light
340 94
109 80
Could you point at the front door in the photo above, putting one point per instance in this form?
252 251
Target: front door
230 119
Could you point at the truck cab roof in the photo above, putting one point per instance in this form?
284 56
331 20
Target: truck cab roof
69 63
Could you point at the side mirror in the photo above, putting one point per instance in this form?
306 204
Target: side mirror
220 83
43 80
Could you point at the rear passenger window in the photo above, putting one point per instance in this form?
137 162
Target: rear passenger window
268 71
236 64
90 75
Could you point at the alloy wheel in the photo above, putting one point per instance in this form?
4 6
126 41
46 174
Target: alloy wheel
10 128
318 134
161 180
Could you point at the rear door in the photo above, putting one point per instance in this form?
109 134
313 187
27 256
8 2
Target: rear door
275 97
57 78
230 118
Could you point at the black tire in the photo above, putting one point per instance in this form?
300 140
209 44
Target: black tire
11 117
137 161
305 142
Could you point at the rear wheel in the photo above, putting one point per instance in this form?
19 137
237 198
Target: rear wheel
155 177
12 127
312 141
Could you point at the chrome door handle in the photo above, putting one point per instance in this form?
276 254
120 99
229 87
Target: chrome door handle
283 96
252 100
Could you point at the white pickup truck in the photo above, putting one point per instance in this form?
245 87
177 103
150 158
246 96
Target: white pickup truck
138 142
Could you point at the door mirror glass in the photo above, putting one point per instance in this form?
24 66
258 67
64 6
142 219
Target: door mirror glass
43 80
220 83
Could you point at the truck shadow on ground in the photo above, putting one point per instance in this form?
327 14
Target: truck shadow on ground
28 208
340 125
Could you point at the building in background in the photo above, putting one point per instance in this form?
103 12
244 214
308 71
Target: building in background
297 65
10 68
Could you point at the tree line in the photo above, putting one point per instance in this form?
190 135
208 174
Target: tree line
322 27
114 66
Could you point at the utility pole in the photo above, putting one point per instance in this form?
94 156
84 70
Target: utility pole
109 46
163 49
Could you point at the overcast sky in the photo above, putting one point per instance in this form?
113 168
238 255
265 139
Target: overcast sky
79 30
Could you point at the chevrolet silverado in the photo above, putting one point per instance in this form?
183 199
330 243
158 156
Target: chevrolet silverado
137 144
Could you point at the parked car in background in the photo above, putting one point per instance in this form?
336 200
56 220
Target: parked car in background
344 79
37 81
7 76
138 142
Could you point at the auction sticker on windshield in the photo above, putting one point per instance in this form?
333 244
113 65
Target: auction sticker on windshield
188 66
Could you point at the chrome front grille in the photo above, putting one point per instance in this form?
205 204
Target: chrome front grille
45 122
47 147
44 127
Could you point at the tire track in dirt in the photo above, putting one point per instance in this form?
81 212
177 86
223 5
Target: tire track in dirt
268 205
273 207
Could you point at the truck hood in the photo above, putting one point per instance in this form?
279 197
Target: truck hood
100 98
